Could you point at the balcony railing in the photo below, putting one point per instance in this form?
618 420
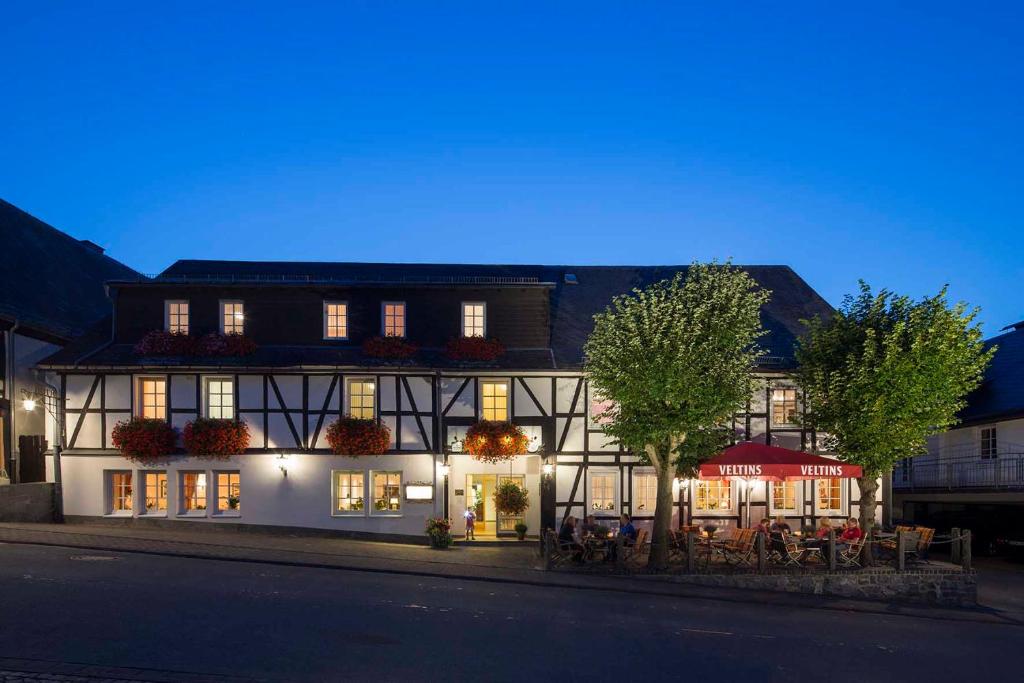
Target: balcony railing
962 468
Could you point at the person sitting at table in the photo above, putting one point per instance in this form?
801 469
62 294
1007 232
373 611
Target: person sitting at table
762 527
824 529
626 529
851 533
780 525
567 538
589 526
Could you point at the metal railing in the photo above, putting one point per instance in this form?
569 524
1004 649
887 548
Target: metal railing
962 468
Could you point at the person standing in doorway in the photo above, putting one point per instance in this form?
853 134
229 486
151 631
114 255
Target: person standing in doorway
470 524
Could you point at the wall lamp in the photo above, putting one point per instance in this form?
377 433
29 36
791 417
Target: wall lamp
282 464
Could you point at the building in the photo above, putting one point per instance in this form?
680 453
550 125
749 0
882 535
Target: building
973 476
309 320
51 291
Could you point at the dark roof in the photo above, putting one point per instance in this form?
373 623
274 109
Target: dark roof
50 281
574 301
1001 394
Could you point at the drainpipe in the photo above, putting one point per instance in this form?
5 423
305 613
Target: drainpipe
58 445
9 390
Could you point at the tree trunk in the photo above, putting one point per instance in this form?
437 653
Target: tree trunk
868 488
658 559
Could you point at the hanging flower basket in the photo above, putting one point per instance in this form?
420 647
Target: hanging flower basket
144 440
511 499
352 436
215 438
389 348
164 343
473 349
494 442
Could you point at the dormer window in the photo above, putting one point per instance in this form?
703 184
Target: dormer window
335 320
232 317
474 319
393 318
176 316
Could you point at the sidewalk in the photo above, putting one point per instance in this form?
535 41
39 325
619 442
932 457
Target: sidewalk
500 564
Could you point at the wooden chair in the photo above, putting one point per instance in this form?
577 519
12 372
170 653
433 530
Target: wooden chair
790 552
642 546
559 552
890 543
739 549
850 555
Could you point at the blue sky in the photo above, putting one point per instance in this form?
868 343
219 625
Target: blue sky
848 142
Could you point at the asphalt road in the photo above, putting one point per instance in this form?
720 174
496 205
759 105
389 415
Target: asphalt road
273 623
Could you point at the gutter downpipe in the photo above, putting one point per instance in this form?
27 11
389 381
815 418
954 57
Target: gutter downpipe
9 390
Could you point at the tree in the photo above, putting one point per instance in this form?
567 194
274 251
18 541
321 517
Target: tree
674 361
884 373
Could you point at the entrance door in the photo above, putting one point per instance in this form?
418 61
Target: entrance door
480 498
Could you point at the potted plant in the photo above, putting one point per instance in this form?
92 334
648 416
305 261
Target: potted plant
353 436
143 439
233 503
389 348
511 499
473 349
215 438
494 442
165 343
439 532
521 531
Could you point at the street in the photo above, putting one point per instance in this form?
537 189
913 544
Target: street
263 622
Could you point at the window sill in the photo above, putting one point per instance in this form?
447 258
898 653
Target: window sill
385 514
154 514
227 513
118 514
193 513
355 513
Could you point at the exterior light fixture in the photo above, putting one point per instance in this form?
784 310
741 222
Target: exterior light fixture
548 469
282 464
456 445
444 469
29 404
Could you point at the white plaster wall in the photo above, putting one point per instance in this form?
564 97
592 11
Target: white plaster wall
465 405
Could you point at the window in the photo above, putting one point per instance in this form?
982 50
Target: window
121 493
220 398
602 492
349 490
494 401
646 493
193 492
156 492
713 496
229 492
474 319
989 443
362 398
232 317
176 316
784 406
784 495
387 492
335 320
152 398
599 410
830 495
393 318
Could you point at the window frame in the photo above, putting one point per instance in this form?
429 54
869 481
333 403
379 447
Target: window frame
205 408
384 319
462 326
508 390
182 509
140 395
797 499
988 444
112 494
831 511
226 512
635 502
144 479
167 315
796 407
220 316
720 512
327 327
335 512
374 512
362 379
593 474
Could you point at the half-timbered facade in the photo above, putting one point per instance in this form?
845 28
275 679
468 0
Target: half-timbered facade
309 322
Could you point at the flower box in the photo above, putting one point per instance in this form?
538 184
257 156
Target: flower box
389 348
473 349
352 436
164 343
209 437
144 440
490 441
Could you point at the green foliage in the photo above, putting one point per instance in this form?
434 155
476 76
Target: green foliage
510 498
886 372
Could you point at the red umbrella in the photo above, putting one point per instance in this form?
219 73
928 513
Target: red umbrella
750 460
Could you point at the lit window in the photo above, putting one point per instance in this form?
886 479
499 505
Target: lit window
176 315
646 492
494 400
989 443
394 319
232 317
784 406
335 320
193 492
713 496
362 398
830 494
474 319
229 492
784 495
121 492
602 492
600 410
220 398
348 493
387 491
156 492
152 398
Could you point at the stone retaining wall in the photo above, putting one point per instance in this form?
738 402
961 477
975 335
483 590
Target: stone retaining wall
947 587
27 503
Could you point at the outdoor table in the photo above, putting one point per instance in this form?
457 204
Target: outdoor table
593 544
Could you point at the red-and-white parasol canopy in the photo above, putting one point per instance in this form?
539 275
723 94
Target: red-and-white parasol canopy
750 460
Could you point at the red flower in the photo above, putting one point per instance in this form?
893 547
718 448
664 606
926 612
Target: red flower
216 438
473 348
144 439
352 436
494 442
163 343
391 348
